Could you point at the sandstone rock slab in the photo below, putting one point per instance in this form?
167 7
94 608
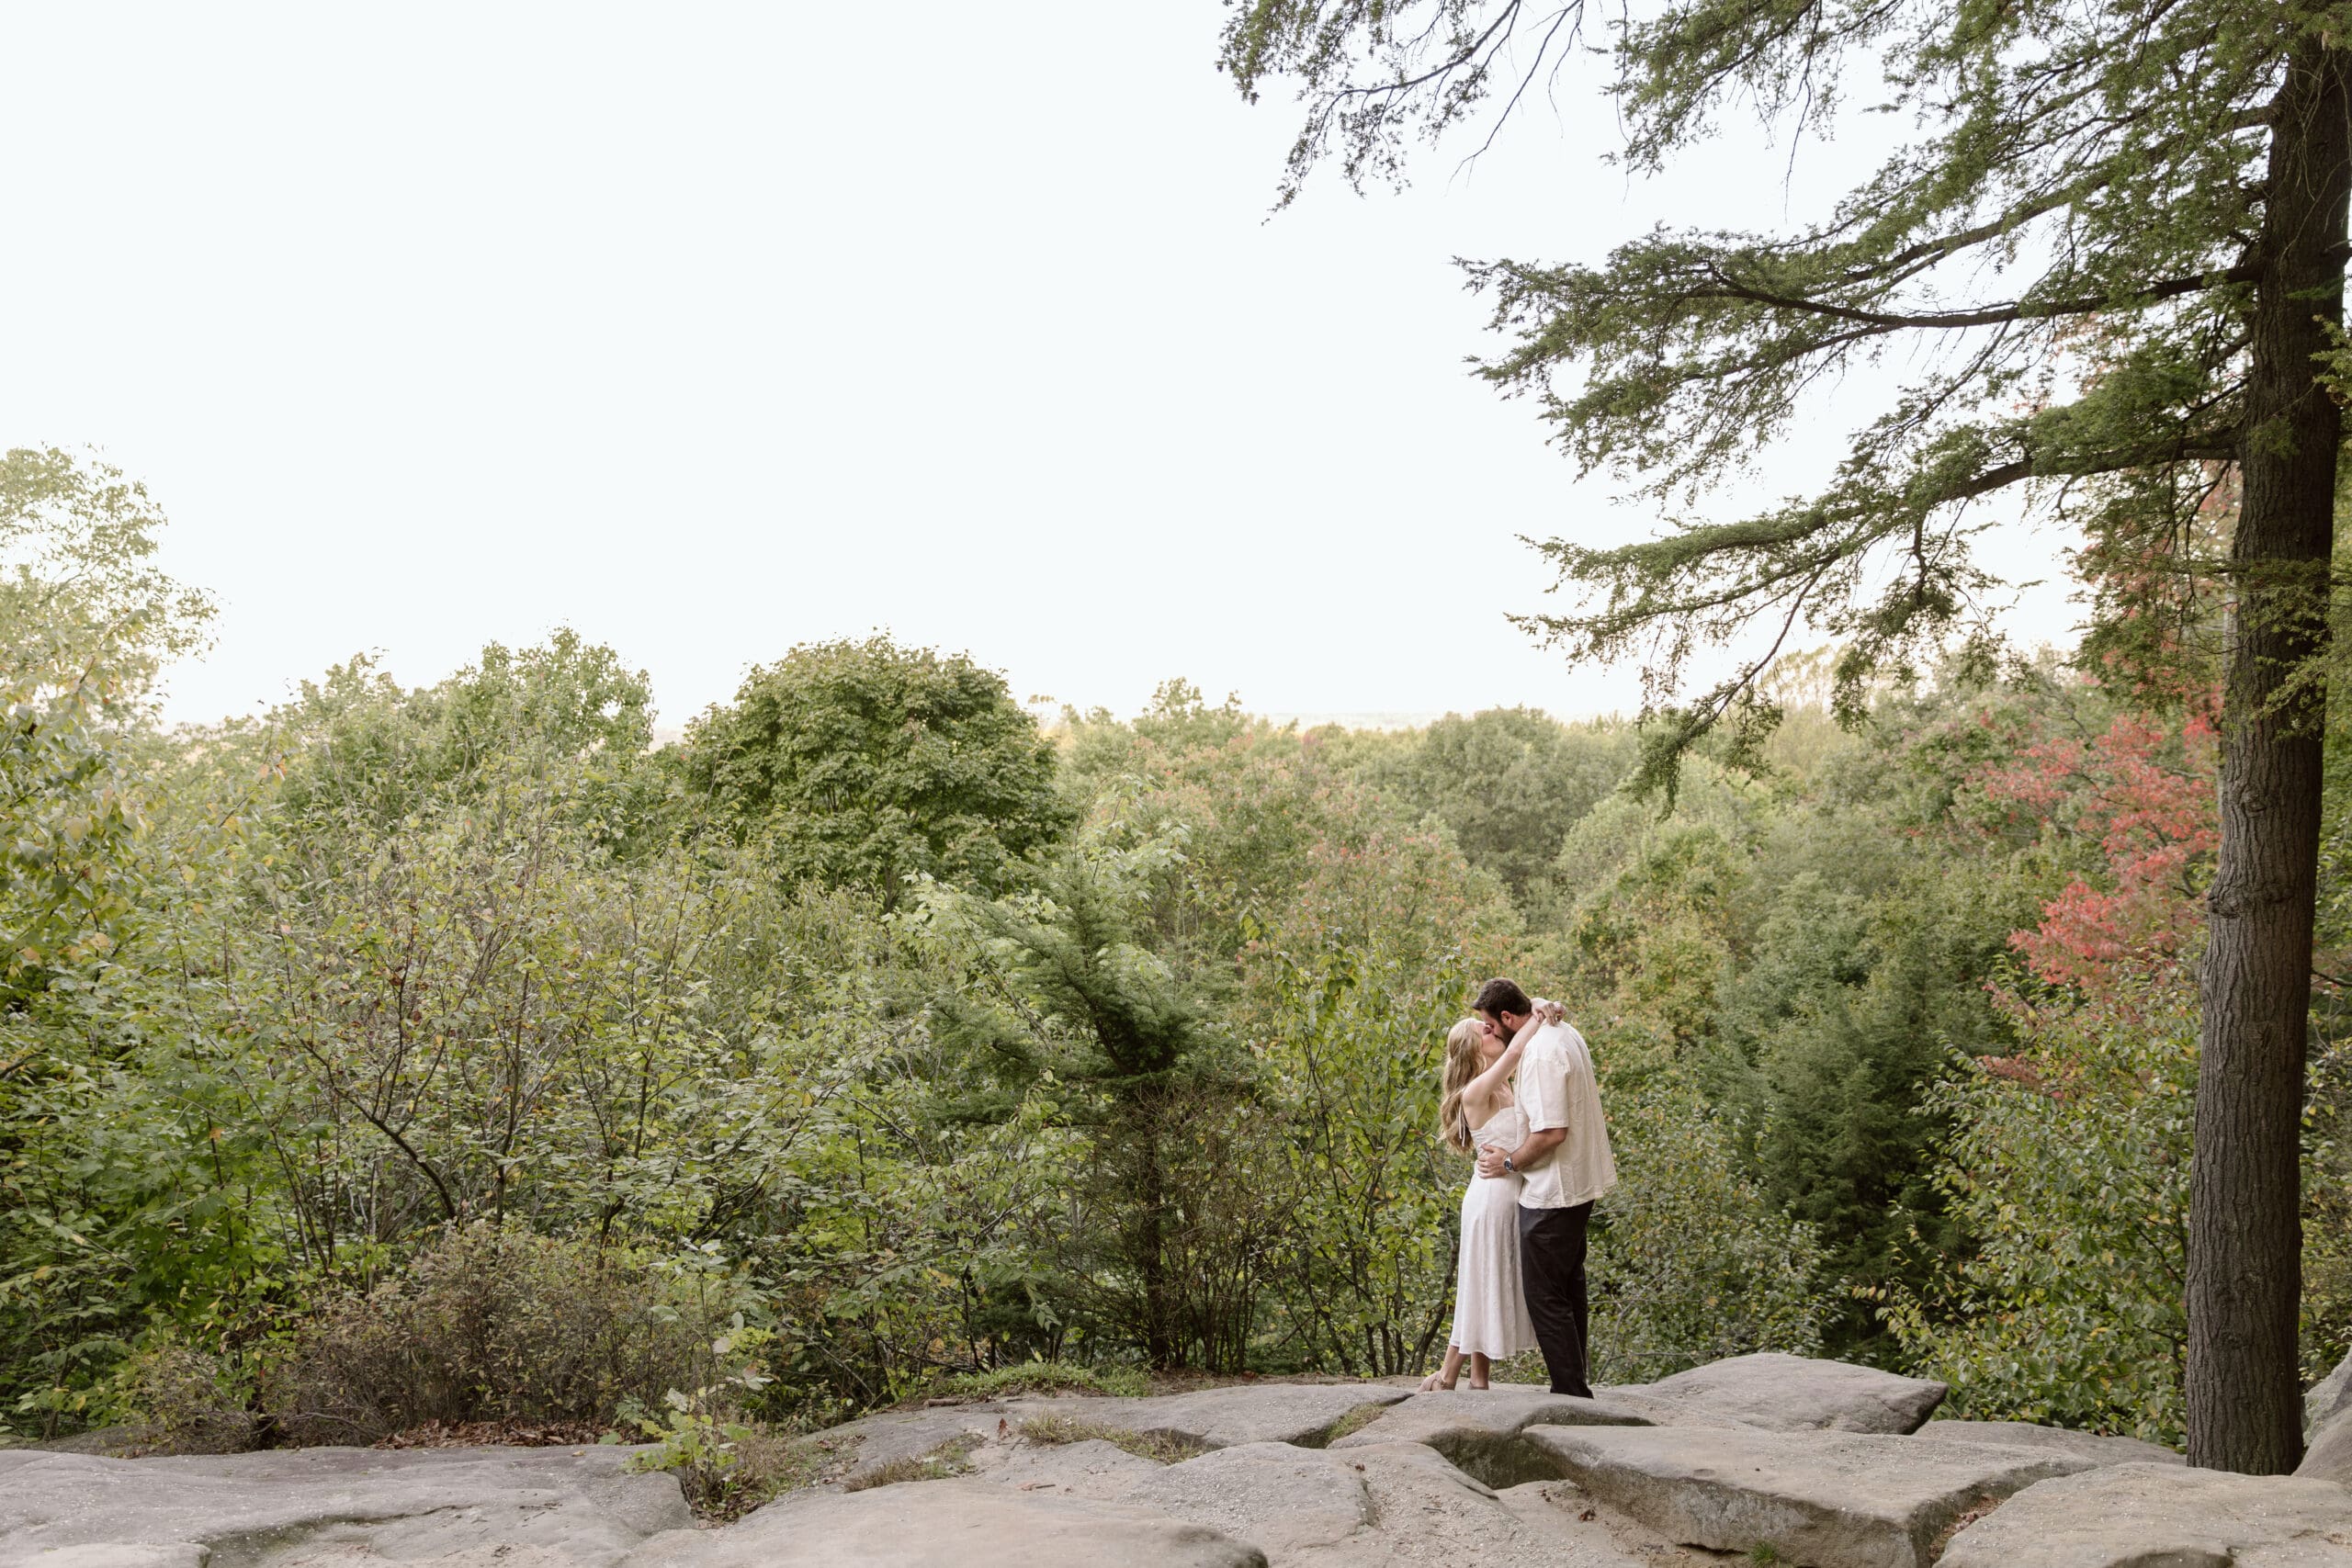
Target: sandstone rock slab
1796 1393
970 1522
565 1506
1277 1497
1298 1413
2329 1458
1089 1469
2091 1446
182 1556
1427 1511
872 1443
2163 1516
1820 1499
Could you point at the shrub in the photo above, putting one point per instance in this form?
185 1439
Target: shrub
727 1465
2069 1165
728 1468
1690 1262
178 1400
494 1324
1048 1377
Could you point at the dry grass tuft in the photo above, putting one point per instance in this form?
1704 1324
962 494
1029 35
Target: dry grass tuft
1161 1447
950 1457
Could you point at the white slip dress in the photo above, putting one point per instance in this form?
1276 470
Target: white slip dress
1489 1304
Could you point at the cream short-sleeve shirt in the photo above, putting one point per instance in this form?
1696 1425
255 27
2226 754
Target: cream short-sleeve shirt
1556 1089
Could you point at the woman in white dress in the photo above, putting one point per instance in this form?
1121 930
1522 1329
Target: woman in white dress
1477 1108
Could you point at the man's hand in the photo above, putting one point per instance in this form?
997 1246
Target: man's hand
1540 1142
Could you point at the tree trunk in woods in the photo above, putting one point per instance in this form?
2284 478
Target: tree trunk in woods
1162 1350
2245 1215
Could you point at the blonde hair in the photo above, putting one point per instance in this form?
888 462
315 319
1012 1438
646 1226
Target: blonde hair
1462 1063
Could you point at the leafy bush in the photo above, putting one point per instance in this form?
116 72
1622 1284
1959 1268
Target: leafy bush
1690 1262
761 1464
2070 1165
492 1323
726 1464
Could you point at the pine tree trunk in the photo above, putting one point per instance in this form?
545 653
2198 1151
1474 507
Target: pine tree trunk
2245 1217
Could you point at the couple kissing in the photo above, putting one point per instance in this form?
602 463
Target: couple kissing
1519 1093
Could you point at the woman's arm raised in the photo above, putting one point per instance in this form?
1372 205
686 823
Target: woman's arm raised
1480 1090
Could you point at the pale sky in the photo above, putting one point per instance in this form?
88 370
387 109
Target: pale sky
711 329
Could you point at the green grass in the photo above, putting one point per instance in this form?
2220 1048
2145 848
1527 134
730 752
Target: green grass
1048 1377
1161 1447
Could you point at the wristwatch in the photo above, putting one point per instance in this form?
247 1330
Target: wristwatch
1507 1166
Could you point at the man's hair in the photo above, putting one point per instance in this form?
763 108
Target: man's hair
1499 997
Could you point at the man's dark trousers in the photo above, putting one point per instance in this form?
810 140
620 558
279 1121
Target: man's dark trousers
1551 1269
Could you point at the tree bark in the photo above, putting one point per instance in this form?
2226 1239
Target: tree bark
2245 1216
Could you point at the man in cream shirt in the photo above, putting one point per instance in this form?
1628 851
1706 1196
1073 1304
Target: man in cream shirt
1568 1165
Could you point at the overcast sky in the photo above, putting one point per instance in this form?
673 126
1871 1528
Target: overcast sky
707 330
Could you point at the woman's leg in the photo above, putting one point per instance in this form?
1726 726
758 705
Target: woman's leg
1479 1368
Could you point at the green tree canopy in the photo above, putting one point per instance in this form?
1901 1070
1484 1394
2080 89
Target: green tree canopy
355 741
1508 781
865 764
2109 241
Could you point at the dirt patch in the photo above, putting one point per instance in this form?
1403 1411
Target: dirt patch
1976 1511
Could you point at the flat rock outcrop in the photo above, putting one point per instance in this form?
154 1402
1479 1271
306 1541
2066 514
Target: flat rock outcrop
571 1505
2328 1398
1299 1414
1830 1499
1091 1469
2092 1446
1416 1507
970 1522
1825 1465
2327 1427
2145 1516
2329 1458
1794 1394
1282 1498
1249 1504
